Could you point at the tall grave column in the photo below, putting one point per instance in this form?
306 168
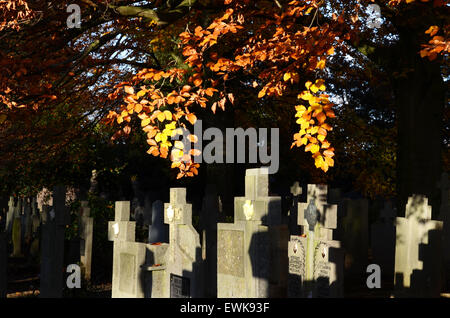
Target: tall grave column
251 252
183 261
128 255
315 259
86 236
52 249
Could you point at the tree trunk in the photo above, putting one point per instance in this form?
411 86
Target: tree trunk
420 98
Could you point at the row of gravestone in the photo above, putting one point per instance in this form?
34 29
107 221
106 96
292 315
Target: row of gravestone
256 257
44 231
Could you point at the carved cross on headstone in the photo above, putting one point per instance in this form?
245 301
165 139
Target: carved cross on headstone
178 211
122 229
320 212
296 190
257 205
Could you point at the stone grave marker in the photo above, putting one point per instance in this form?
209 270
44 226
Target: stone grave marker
17 230
418 251
160 269
10 215
52 247
86 237
251 252
296 190
383 241
315 259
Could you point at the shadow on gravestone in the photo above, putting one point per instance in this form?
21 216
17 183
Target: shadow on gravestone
418 256
424 283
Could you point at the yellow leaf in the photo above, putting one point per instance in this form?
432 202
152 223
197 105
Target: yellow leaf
141 93
286 76
145 122
314 148
168 115
161 117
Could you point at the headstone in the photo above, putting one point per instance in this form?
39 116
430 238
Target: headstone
35 227
10 215
383 241
52 249
208 224
86 237
355 238
160 269
315 259
251 252
158 231
184 251
296 191
26 221
17 230
418 251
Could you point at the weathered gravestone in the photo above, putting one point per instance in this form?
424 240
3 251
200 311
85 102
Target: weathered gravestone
35 226
296 191
157 270
86 237
17 230
52 247
251 252
315 259
158 230
208 224
418 251
10 215
26 222
383 241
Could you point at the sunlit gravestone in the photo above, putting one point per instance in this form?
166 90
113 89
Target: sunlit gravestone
142 270
315 259
418 251
251 252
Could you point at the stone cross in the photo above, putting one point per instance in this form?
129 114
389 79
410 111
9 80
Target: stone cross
418 253
315 260
296 191
86 237
177 211
252 251
183 261
121 229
